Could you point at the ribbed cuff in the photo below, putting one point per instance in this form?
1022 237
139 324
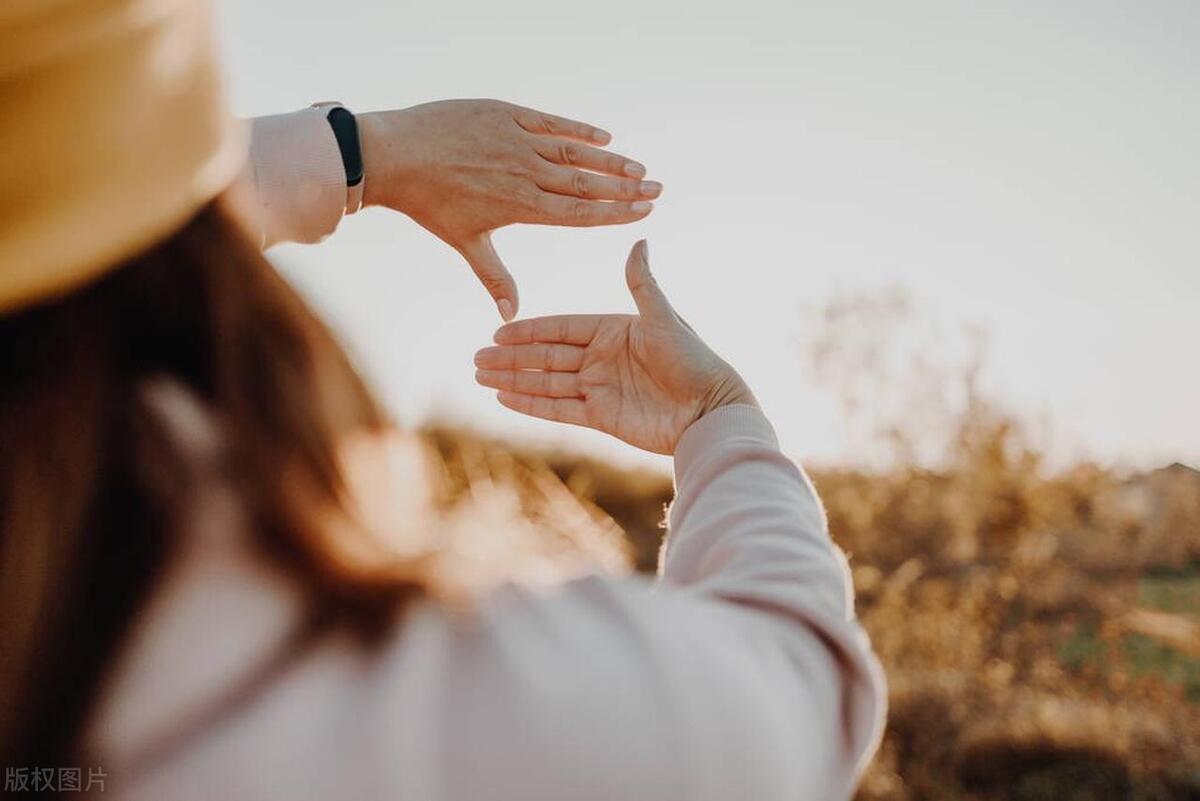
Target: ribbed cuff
734 422
299 177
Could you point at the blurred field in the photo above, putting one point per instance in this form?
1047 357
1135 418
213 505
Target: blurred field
1041 634
1039 625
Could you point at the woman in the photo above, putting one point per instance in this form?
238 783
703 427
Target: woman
191 598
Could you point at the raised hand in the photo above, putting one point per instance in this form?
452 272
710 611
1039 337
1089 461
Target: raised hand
463 168
643 378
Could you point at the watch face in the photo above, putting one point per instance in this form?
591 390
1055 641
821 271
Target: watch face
345 130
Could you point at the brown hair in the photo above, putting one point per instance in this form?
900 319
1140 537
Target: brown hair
91 486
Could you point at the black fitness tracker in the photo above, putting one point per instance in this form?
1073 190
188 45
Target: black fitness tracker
345 131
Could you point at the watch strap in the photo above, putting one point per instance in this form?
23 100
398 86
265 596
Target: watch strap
345 131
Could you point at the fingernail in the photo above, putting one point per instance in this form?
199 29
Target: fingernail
634 169
646 252
641 206
601 137
650 188
506 309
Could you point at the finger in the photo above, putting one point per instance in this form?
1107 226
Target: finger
492 273
540 356
531 382
589 185
539 122
571 329
560 410
571 154
559 210
648 296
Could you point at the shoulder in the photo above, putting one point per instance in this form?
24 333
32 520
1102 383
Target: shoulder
601 688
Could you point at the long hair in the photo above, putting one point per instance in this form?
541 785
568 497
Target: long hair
92 487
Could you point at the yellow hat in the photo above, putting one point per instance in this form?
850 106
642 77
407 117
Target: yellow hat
113 132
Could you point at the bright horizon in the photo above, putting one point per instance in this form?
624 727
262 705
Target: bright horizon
1034 172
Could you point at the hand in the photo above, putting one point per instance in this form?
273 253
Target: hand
463 168
643 378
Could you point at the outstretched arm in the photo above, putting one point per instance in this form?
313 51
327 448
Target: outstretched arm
459 168
757 668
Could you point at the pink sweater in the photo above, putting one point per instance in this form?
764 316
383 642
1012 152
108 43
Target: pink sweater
741 673
296 177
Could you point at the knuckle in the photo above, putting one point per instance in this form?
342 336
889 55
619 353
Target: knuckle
494 284
581 210
568 154
630 189
581 184
548 125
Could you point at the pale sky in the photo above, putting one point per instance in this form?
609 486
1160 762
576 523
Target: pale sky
1032 168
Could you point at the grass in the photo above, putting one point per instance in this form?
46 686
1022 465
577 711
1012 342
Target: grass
1149 657
1083 651
1172 591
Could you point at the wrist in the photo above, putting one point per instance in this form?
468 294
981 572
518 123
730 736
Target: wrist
728 391
386 145
373 142
345 127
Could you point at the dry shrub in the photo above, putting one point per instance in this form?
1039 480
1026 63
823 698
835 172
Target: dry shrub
1002 597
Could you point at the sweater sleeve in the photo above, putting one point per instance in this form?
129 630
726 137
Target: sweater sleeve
740 674
293 181
748 528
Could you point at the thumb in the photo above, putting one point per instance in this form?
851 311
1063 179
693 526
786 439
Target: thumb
492 273
650 300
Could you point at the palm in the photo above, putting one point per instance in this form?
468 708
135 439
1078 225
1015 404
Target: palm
642 378
637 383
